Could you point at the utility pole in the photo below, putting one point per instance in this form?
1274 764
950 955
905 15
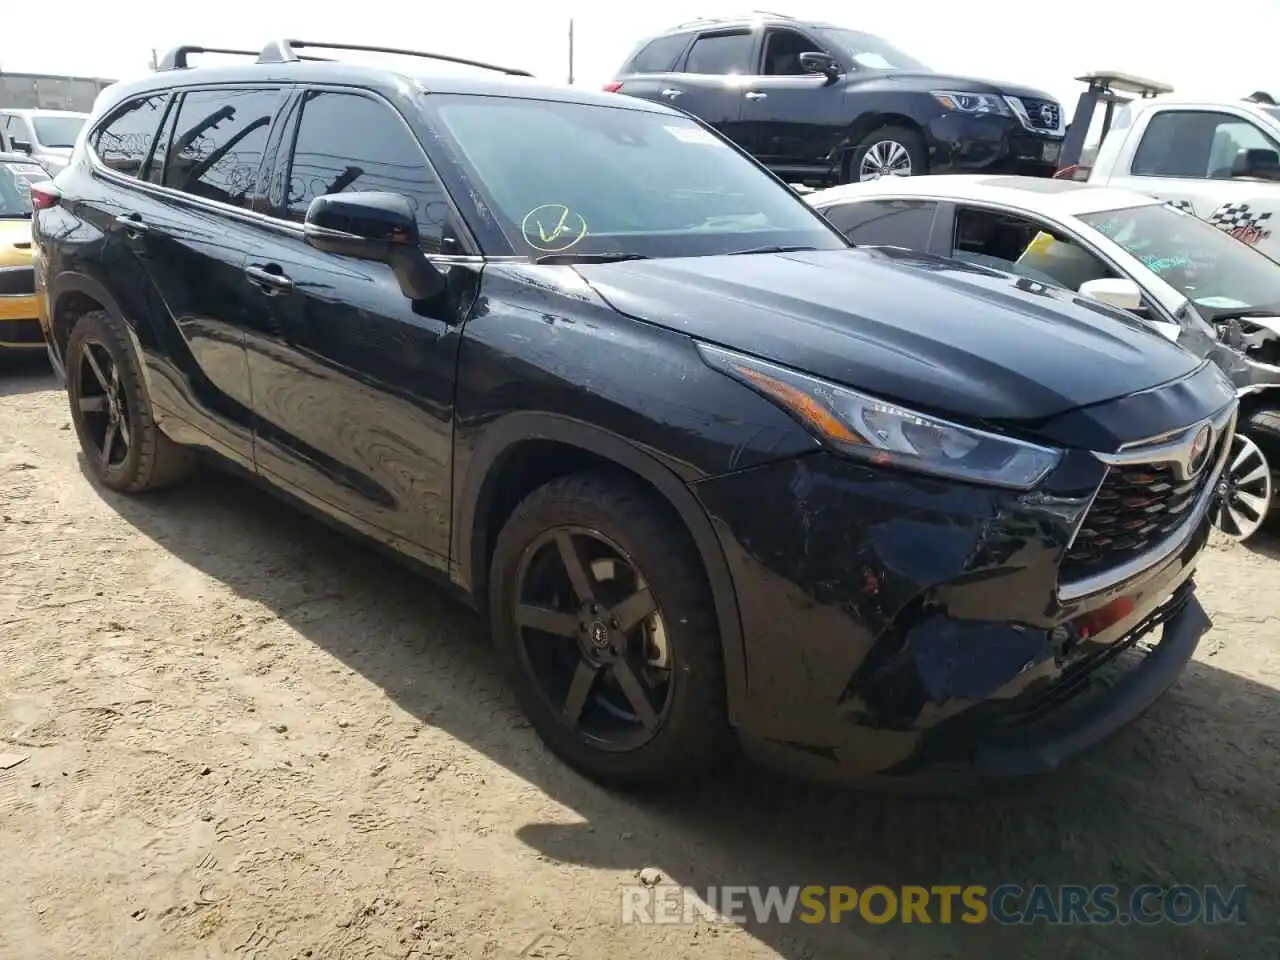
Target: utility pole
153 59
571 51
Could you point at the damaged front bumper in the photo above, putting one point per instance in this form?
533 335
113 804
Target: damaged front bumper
900 626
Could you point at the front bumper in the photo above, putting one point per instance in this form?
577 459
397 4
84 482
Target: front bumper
898 626
990 144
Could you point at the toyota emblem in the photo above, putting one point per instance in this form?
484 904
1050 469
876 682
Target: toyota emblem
1198 455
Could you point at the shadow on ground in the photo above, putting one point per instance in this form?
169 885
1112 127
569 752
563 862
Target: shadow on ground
24 373
1190 795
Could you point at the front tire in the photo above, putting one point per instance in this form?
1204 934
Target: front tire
603 617
112 412
889 150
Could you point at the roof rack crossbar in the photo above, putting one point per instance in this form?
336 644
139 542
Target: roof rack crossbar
283 51
176 59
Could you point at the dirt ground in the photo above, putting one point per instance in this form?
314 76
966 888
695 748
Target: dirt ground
249 737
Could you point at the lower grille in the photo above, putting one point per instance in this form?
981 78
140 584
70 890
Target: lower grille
17 281
22 333
1137 506
1042 114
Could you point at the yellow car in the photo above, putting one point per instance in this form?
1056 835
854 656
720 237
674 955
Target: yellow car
19 323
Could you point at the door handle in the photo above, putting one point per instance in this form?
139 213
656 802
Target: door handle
753 95
269 281
671 94
132 224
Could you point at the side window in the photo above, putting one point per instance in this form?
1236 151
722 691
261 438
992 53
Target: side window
348 142
889 223
1018 245
124 141
659 56
1196 144
218 141
154 172
721 53
782 49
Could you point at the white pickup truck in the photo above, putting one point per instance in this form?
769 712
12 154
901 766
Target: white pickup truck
1217 159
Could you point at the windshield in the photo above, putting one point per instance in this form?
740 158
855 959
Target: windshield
1217 272
57 131
583 179
870 52
15 194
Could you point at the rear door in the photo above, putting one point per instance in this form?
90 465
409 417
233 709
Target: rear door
352 381
710 81
1183 155
193 236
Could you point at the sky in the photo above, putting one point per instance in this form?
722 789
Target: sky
1202 49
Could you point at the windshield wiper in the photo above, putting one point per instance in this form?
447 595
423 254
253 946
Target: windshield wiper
774 249
588 257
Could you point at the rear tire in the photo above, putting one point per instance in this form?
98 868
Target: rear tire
112 412
627 544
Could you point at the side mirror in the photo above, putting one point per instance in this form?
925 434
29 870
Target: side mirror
1118 292
374 226
822 64
21 146
1259 164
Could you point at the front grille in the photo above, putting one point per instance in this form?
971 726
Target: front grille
1042 114
1137 506
17 281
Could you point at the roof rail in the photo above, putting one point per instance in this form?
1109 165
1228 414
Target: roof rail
282 51
176 59
734 19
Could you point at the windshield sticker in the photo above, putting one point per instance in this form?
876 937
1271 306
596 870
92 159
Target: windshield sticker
1160 264
552 228
691 134
872 61
1221 303
1238 220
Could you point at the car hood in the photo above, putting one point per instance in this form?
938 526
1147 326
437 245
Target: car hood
945 81
15 243
926 331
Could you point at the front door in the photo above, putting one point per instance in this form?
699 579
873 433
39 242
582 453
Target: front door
352 381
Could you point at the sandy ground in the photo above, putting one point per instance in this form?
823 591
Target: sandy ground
249 737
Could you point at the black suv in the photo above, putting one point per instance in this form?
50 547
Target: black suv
823 105
705 468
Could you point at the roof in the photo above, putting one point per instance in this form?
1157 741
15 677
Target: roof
43 112
364 75
1043 195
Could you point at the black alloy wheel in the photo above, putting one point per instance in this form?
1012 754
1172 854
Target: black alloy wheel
103 406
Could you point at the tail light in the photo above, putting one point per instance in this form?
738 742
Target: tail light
1078 172
613 87
44 195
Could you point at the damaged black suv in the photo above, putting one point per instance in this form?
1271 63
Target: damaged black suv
713 476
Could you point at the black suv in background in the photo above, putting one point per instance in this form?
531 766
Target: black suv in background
704 467
824 105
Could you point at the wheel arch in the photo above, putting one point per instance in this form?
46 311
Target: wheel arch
522 452
74 295
865 124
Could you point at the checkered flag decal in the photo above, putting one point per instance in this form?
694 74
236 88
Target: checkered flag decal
1238 216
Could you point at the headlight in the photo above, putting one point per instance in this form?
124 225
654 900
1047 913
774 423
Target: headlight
971 102
887 434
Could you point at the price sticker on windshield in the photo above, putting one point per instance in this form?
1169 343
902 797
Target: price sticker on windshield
692 134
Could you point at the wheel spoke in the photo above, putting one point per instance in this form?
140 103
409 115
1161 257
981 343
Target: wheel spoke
634 693
546 620
584 678
125 435
575 568
1253 476
108 445
96 404
101 377
1258 505
634 609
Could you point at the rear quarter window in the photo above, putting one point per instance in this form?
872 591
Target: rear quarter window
658 56
124 141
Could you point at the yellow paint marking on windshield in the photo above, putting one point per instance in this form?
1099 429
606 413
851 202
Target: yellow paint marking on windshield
552 227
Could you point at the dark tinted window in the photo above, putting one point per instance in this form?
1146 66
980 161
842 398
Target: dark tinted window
125 140
721 53
347 143
218 142
893 223
1195 143
1025 247
659 56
